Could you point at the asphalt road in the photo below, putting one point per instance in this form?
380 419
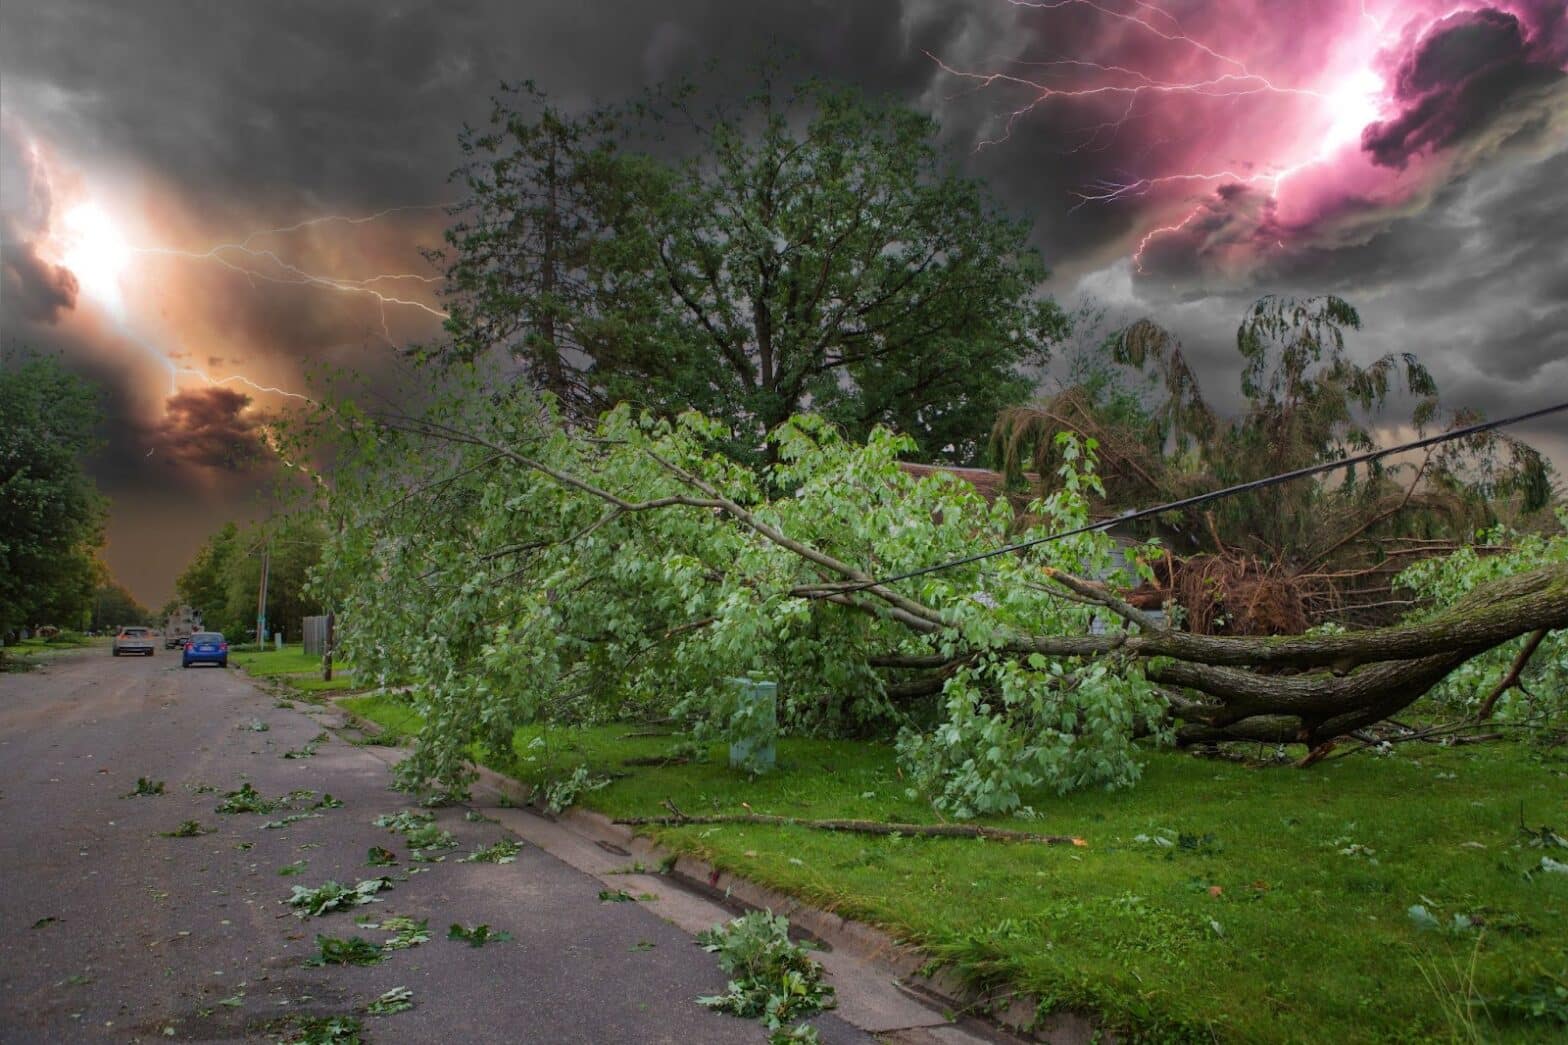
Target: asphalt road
110 931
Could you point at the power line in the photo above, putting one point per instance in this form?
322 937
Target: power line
1202 498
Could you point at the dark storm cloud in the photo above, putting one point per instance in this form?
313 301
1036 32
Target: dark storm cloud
1469 67
210 428
310 103
1476 286
36 290
33 288
262 114
1235 221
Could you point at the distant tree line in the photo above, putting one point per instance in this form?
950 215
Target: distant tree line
223 580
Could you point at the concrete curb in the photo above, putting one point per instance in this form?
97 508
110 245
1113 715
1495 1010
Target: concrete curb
883 984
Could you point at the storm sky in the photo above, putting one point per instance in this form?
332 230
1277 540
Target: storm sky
201 202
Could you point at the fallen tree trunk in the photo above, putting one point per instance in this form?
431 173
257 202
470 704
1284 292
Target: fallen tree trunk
1306 689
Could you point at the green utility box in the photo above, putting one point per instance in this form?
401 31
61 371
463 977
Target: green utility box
755 723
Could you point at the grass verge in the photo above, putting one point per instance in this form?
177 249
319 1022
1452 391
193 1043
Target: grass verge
295 668
1212 901
28 653
290 659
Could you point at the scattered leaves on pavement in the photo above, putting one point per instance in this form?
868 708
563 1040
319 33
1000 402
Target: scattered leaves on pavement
322 1030
408 932
376 856
404 820
398 999
309 749
478 936
247 800
353 950
292 818
772 978
187 829
503 852
335 896
146 787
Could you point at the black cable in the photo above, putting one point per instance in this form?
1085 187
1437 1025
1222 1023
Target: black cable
1202 498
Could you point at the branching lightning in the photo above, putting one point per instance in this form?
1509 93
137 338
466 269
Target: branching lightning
89 242
266 265
1317 107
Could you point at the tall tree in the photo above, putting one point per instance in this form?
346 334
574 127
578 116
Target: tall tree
521 253
818 250
51 515
293 549
224 578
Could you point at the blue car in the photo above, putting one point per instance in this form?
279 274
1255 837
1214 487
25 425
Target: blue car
205 647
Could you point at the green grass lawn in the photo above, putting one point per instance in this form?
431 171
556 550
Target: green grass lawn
1213 900
296 669
27 652
269 661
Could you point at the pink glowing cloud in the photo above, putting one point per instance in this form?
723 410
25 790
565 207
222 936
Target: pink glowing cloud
1242 133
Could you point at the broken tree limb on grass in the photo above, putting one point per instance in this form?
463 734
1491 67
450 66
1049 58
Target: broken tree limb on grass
1511 678
866 827
1289 689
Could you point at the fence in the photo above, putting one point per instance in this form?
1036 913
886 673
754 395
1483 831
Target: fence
316 635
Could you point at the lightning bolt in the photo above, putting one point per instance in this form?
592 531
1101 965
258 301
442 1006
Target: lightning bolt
256 263
1229 78
1128 16
265 264
1225 85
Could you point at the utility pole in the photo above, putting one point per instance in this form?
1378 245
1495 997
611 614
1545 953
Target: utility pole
261 597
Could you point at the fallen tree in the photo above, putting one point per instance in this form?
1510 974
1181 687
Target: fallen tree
582 574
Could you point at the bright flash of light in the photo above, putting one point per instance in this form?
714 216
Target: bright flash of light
91 243
268 265
1306 109
1351 104
95 250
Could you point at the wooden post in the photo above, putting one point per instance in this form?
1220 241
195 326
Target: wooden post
261 597
326 652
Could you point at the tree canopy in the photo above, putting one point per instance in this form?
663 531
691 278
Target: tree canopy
223 579
51 514
114 606
818 250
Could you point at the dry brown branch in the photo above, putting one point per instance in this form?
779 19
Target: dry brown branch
869 827
1511 678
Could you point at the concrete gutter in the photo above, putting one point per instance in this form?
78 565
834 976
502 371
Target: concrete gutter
882 984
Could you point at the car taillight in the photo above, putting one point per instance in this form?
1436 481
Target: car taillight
223 647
